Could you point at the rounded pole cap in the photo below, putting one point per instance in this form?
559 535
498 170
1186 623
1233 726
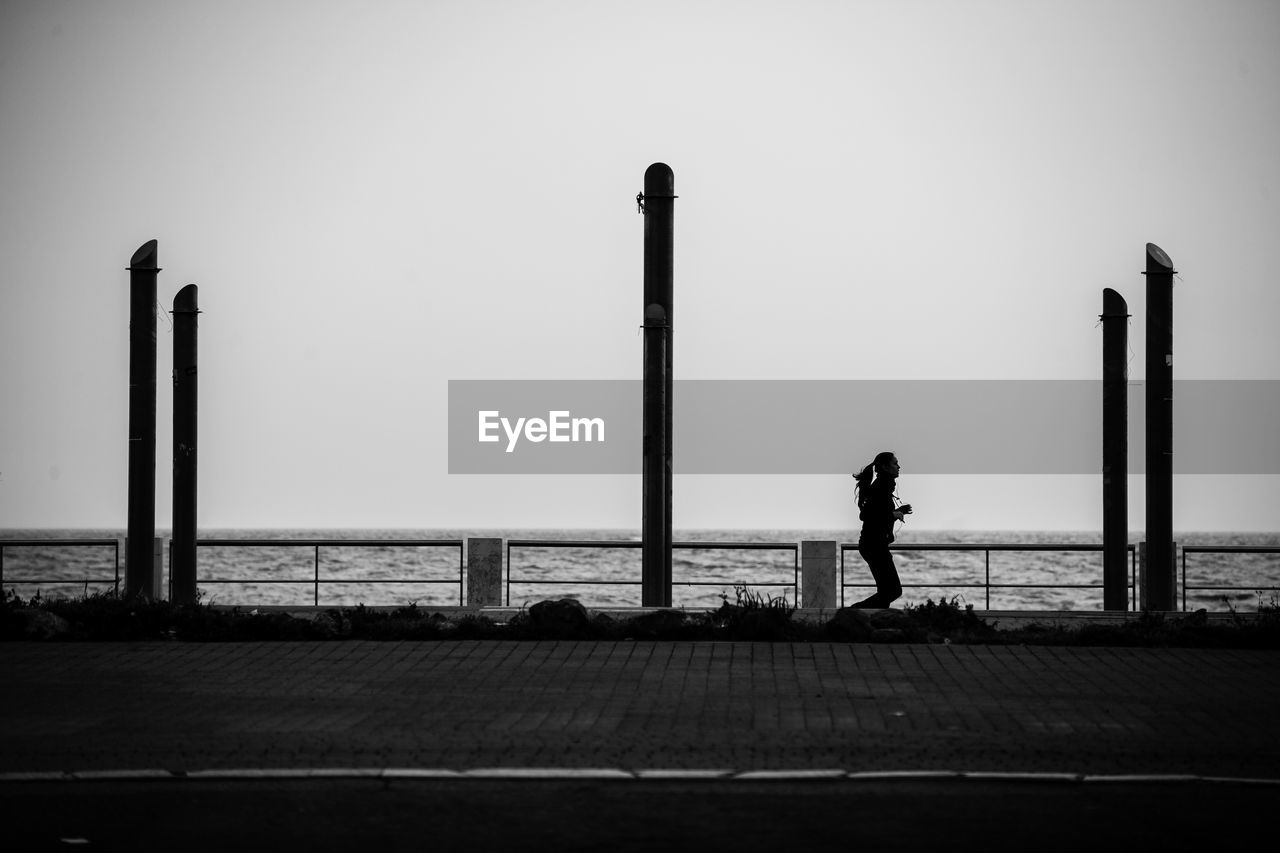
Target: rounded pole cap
659 181
1157 260
146 257
185 301
1113 304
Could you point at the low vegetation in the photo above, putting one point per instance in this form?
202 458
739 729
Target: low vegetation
750 616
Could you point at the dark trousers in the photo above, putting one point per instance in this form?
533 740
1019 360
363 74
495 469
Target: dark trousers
888 587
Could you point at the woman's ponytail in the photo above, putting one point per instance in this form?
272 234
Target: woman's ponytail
862 480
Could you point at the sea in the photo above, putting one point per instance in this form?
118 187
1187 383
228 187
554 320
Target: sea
602 568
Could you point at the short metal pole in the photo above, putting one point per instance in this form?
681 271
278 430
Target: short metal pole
1184 580
1133 577
317 584
796 554
842 577
139 560
987 553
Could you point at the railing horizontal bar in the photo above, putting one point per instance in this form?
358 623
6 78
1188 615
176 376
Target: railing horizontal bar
333 543
636 583
324 580
740 583
633 543
923 585
1242 588
576 583
982 546
574 543
9 581
995 585
1231 549
31 543
745 546
1045 586
308 581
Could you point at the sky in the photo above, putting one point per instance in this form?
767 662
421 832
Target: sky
376 197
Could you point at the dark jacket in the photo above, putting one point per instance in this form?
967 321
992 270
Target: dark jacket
876 513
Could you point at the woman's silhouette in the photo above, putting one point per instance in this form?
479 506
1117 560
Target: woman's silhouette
878 511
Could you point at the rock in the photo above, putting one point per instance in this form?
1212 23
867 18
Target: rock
40 624
561 618
850 623
657 623
889 619
1197 619
332 623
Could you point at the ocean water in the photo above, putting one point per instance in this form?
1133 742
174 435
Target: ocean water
273 573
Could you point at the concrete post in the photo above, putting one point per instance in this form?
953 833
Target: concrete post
182 566
484 572
818 574
139 561
1161 571
1115 450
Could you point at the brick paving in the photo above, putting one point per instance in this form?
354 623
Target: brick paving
464 705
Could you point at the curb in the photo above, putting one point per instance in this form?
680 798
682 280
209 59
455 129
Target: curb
614 774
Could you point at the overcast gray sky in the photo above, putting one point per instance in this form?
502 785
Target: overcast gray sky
377 197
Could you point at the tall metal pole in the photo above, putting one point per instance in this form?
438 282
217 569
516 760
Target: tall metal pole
182 566
1160 568
1115 449
658 205
139 560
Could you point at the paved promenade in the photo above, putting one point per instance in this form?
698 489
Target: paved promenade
637 707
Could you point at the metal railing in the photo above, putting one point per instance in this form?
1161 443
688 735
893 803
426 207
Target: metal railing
631 543
316 544
987 585
62 543
1224 549
317 579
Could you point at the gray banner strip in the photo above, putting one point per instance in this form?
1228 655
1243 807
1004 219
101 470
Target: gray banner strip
836 426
